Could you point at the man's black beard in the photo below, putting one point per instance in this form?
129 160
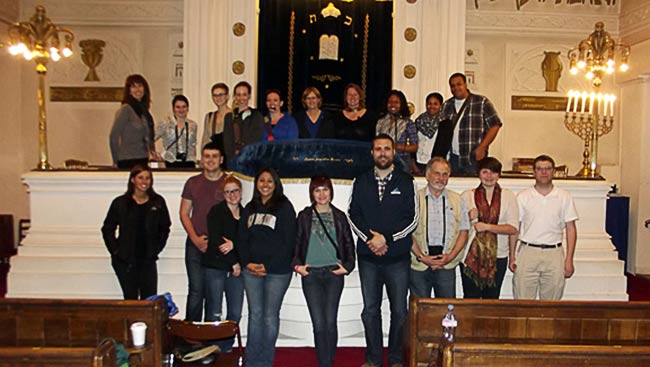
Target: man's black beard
384 166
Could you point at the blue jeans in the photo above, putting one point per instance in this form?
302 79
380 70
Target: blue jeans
218 282
441 281
264 296
195 291
373 277
322 291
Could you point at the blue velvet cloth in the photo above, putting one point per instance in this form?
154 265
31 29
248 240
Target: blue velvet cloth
343 159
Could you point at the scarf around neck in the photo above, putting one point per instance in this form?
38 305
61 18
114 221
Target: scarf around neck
482 254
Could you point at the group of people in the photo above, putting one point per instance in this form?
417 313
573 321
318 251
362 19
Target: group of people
408 240
461 127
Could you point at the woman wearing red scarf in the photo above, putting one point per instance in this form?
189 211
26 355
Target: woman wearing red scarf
494 216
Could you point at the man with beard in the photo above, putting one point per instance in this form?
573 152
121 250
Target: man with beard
440 237
383 213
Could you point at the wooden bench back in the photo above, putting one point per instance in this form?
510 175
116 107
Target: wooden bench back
544 355
528 321
571 321
81 323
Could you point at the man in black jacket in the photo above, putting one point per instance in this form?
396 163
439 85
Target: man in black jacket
383 213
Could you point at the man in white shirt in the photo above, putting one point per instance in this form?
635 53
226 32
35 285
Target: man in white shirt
545 213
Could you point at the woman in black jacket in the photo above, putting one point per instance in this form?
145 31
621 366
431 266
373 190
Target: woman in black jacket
221 262
143 221
324 254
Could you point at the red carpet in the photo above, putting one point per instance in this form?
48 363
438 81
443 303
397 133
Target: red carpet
306 357
638 287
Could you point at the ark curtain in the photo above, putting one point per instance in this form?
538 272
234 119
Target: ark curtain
312 43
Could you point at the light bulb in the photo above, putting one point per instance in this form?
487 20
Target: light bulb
67 52
624 67
14 50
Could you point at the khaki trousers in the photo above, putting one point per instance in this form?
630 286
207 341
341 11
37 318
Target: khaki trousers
539 270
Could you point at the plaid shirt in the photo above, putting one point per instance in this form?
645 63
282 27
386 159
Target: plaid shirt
382 182
403 132
478 118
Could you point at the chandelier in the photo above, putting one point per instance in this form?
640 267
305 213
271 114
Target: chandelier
590 114
40 40
595 55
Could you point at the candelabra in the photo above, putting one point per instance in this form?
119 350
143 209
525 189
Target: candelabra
589 124
591 115
40 40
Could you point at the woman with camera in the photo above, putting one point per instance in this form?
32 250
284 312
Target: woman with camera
178 134
324 254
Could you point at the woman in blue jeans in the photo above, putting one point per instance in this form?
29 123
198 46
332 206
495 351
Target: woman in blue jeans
267 234
324 254
220 261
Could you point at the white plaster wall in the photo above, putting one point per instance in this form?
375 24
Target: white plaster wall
507 43
80 130
636 171
13 196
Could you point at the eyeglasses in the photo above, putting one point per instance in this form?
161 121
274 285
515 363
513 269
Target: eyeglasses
234 191
219 94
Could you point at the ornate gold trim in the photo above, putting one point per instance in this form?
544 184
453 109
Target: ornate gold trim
364 58
306 180
86 94
238 67
292 34
239 29
410 34
538 103
92 55
409 71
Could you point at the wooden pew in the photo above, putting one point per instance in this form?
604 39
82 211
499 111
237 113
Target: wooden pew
544 355
60 325
493 331
101 356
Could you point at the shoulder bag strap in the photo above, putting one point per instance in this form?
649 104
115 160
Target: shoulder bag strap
326 232
460 113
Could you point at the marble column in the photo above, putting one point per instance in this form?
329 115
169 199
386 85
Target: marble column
211 47
635 168
437 50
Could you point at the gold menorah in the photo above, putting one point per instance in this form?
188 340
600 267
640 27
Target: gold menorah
589 124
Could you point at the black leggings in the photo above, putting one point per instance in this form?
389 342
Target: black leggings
470 290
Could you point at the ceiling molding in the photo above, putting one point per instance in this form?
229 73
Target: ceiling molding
131 13
634 24
9 11
537 23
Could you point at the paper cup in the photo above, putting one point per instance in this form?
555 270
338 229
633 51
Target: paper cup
139 331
